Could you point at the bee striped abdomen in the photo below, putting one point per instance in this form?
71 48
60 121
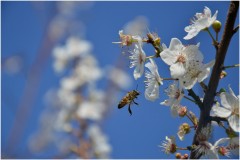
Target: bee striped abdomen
124 101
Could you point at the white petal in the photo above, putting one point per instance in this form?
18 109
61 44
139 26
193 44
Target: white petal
207 12
203 75
192 32
193 53
152 92
164 46
177 70
221 141
210 64
188 82
231 92
175 44
138 71
221 112
214 17
234 123
169 57
228 101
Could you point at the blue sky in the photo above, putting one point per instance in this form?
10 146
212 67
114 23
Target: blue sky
137 136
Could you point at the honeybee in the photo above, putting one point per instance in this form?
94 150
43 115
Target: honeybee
129 99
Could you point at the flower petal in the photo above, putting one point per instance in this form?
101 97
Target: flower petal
221 112
152 92
227 100
169 57
203 75
177 70
175 44
138 71
192 32
234 122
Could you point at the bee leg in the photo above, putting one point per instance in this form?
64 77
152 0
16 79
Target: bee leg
129 109
135 102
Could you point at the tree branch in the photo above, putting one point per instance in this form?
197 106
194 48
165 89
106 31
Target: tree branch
214 79
196 98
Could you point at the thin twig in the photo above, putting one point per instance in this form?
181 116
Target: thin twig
195 97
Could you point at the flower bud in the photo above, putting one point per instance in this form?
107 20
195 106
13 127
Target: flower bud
222 90
217 26
182 111
223 74
186 127
185 156
178 155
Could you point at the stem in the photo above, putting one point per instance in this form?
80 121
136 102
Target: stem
217 36
214 41
190 99
195 97
204 86
180 148
191 120
225 67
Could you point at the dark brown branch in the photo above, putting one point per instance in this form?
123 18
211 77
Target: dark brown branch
218 119
196 98
214 79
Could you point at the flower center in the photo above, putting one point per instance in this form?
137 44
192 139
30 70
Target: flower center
223 151
181 58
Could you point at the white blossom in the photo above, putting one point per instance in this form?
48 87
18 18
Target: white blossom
179 56
175 95
200 22
196 71
233 145
101 147
212 151
169 146
138 58
230 109
153 81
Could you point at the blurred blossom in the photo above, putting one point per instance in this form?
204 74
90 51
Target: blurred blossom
74 48
70 7
70 83
91 110
137 27
119 77
87 70
77 47
101 147
12 64
66 97
61 58
94 108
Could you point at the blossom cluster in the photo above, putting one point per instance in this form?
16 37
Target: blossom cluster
187 68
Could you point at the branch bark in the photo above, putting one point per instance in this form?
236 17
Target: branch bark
215 76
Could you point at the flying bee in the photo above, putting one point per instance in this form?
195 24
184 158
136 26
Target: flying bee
129 99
